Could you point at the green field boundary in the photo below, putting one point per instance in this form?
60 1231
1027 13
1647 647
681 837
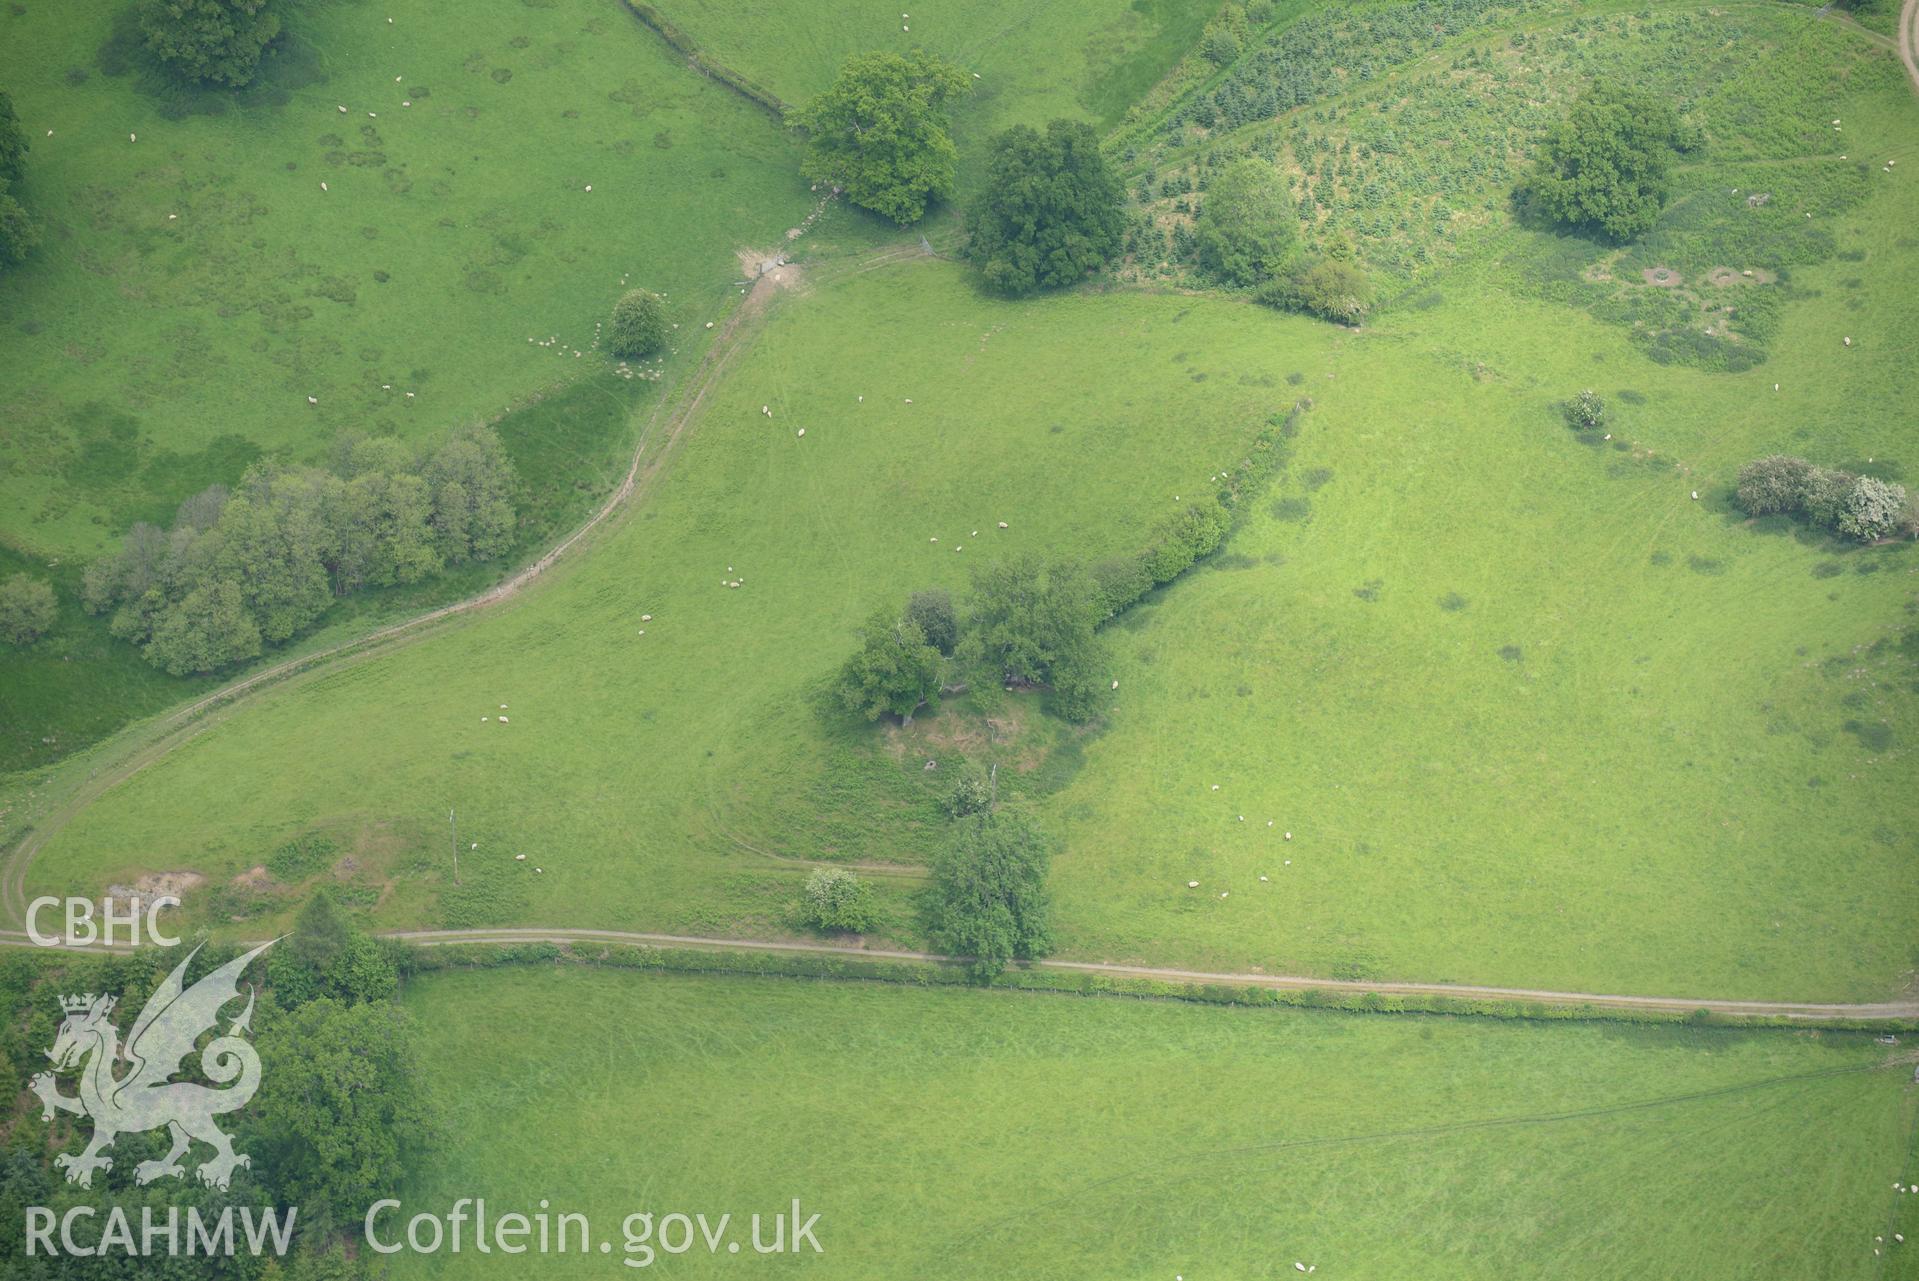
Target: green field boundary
426 952
681 43
1071 978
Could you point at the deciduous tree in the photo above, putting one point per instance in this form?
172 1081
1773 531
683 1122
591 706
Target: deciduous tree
217 42
880 132
894 673
27 609
1247 227
989 897
1051 211
1605 168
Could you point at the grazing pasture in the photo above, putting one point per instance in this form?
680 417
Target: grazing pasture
970 1134
634 751
1532 714
1539 707
198 284
1086 61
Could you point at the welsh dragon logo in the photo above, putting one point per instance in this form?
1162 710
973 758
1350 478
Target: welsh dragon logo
146 1097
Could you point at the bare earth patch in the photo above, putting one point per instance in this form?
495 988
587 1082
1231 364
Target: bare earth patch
155 885
1664 277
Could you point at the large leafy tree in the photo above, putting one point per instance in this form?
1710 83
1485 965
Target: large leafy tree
217 42
895 672
210 627
27 609
1604 168
13 140
1035 625
471 482
342 1114
879 133
18 232
638 326
1247 228
1050 214
326 956
989 898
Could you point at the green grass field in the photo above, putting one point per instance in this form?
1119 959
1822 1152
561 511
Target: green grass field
1467 696
635 749
197 285
1548 722
1535 716
965 1134
1035 62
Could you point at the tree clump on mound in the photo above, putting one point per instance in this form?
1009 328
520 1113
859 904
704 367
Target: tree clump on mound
638 325
214 42
1604 170
895 672
879 133
1034 624
1860 507
255 566
27 609
1050 215
1247 228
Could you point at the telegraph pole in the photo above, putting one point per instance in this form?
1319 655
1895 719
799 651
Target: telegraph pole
452 823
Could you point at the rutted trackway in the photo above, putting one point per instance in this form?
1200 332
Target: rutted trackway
670 418
1800 1011
1909 41
675 414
